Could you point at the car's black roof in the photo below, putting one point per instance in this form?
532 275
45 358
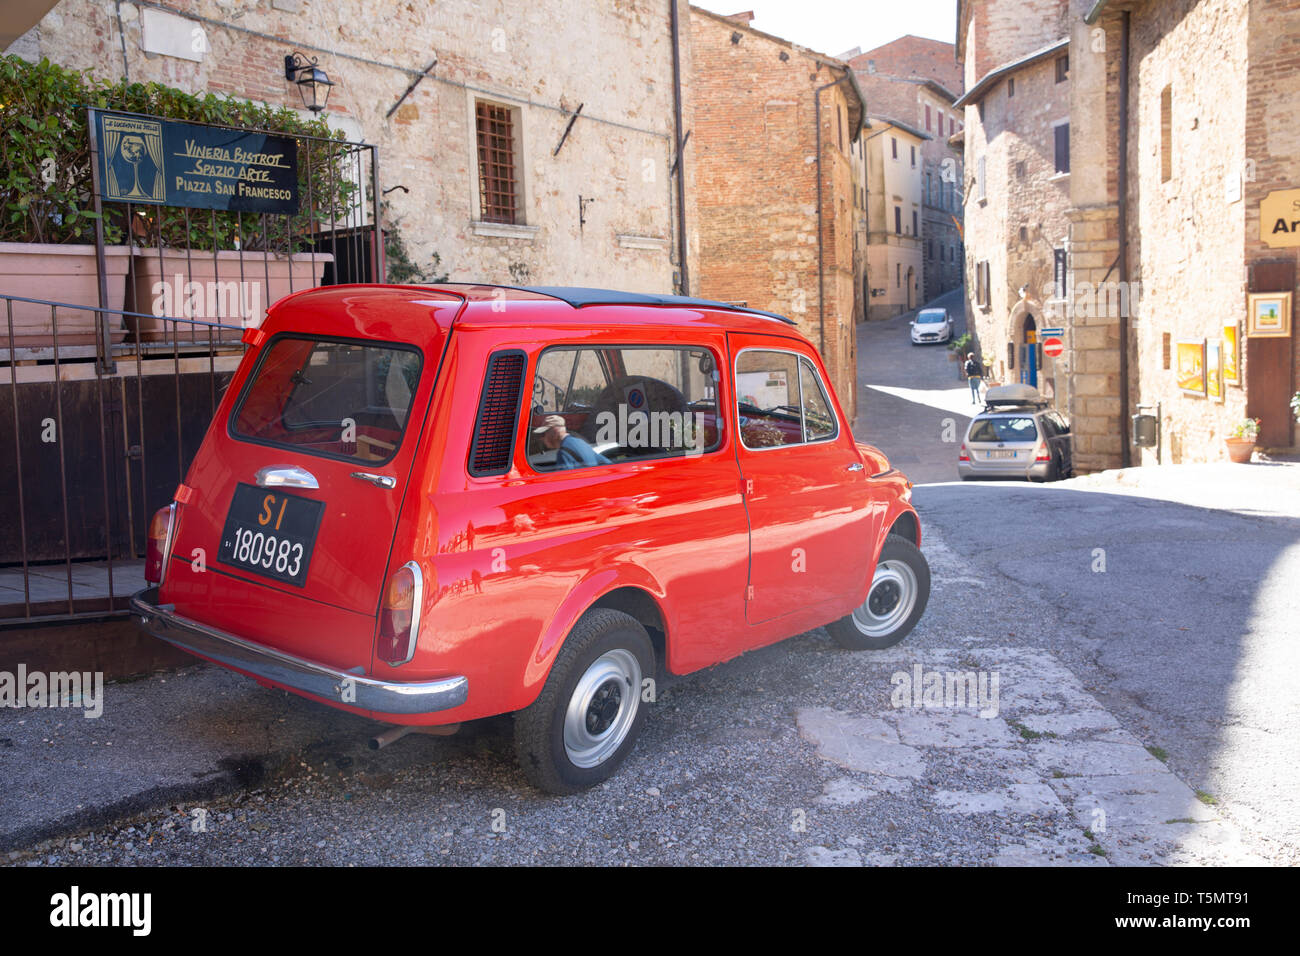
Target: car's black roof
578 296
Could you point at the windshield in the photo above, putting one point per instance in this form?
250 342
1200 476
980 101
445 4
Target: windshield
928 318
1003 430
338 399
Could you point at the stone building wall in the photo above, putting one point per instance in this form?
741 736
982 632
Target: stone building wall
1186 234
895 263
754 143
941 177
1020 219
541 59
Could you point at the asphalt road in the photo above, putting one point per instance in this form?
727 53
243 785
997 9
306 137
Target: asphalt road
1144 713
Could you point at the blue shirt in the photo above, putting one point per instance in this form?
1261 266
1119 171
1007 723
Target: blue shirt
574 452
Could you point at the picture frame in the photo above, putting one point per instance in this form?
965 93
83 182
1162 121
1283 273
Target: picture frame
1232 355
1268 315
1214 371
1190 368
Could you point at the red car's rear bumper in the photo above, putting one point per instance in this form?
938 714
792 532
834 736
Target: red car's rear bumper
295 673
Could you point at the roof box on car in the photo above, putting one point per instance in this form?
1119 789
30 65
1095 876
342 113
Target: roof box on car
1002 395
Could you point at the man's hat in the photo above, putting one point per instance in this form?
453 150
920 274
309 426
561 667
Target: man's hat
549 422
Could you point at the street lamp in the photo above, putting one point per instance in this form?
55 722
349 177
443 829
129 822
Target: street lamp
311 80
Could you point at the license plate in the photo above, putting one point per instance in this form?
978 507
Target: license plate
1002 454
271 533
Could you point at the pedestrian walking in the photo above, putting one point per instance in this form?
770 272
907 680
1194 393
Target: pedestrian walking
974 375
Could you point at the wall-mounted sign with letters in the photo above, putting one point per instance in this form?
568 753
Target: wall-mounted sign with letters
1279 218
169 163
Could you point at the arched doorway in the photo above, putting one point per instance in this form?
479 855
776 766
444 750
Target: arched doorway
911 288
1029 356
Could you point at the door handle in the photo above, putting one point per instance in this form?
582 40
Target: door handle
285 476
856 466
379 481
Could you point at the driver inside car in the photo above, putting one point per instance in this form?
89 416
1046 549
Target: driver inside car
571 451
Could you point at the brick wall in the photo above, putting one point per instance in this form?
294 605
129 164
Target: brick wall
913 56
755 142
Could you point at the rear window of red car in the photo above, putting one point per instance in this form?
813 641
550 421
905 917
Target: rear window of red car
330 397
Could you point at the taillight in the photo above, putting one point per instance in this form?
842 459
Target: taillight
399 618
159 545
1042 454
963 455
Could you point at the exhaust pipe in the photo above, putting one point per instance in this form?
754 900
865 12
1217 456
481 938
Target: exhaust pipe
392 734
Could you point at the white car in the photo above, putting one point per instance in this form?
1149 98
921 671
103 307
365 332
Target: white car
931 325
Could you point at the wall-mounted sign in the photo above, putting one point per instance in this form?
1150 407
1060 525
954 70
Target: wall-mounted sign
1279 218
1268 314
170 163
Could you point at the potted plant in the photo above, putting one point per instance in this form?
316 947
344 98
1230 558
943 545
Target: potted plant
1241 442
47 221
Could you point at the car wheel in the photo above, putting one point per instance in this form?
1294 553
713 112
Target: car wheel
589 713
899 591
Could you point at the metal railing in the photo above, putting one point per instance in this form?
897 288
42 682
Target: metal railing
93 453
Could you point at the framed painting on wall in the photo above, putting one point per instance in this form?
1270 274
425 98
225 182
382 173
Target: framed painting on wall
1191 368
1231 355
1268 315
1214 371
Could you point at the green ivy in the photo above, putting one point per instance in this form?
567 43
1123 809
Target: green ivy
45 169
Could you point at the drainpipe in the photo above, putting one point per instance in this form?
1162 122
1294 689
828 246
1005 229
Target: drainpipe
821 272
1126 456
677 139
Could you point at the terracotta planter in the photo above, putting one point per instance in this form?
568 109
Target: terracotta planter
224 294
1240 449
61 273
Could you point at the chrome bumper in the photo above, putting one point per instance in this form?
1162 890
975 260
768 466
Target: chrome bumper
162 621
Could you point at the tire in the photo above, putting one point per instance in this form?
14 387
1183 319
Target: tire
565 740
900 587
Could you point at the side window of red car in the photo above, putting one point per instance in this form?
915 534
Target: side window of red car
780 400
601 406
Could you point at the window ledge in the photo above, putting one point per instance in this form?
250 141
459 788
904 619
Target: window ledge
648 243
1058 177
503 230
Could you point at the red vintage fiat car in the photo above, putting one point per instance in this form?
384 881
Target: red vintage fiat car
434 504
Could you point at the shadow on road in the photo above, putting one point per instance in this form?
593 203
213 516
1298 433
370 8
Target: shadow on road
1181 616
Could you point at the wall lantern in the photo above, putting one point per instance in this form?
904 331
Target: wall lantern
313 82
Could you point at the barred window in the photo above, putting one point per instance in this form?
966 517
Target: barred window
497 184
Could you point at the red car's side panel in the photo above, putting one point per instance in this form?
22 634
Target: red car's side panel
511 562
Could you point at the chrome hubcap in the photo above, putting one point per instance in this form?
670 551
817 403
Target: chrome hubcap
889 602
602 708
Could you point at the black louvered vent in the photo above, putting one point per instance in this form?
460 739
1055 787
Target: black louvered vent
498 414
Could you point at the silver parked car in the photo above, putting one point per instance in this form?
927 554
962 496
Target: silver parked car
931 325
1017 435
